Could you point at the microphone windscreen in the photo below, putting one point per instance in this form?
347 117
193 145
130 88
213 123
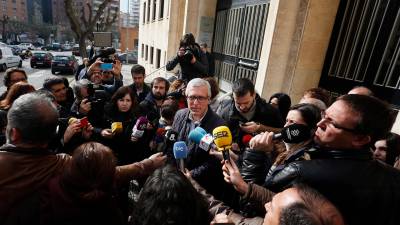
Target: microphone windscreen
160 131
196 135
141 123
201 130
222 137
295 133
246 139
171 136
180 150
72 120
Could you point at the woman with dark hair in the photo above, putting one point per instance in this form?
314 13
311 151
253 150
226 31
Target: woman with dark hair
121 109
82 194
168 197
14 92
388 149
305 114
282 102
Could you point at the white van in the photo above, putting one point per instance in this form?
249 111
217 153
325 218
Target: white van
7 59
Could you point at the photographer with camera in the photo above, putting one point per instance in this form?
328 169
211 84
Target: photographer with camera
99 71
192 60
89 102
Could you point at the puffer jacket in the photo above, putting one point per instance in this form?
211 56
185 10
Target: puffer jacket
364 190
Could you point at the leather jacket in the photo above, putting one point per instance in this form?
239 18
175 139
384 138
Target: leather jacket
364 190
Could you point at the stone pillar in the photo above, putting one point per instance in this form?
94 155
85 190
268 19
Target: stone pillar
199 19
295 42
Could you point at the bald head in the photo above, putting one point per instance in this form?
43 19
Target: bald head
301 205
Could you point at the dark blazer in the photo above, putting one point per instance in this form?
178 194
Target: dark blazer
205 169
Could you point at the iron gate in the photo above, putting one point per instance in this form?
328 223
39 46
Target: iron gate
239 31
365 49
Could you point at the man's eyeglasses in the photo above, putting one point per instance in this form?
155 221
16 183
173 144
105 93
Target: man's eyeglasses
329 121
198 98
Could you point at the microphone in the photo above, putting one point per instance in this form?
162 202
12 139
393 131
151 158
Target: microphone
140 126
200 137
84 122
294 133
159 137
223 140
169 140
116 128
180 153
246 139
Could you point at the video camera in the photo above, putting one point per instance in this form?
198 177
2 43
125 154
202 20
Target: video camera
188 55
104 54
96 94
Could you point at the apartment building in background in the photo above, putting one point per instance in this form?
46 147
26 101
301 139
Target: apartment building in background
14 10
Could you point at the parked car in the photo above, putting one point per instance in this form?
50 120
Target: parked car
25 46
8 59
75 50
41 58
15 49
64 64
53 47
132 58
66 47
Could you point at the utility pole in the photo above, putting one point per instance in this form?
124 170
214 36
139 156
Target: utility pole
4 21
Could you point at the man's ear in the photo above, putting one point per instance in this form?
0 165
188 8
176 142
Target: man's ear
361 140
15 136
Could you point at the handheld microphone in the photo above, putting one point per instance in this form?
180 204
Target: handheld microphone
159 137
196 134
180 153
170 138
116 128
294 133
223 140
246 139
140 126
200 137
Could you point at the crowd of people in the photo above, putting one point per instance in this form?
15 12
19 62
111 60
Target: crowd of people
69 154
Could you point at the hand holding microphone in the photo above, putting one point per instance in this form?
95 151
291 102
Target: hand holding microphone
294 133
180 153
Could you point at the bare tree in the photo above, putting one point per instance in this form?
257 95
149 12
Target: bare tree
84 23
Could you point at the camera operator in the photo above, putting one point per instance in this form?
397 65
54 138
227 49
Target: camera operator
98 69
89 102
192 60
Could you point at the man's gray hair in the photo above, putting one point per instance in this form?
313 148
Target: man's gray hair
198 82
35 118
77 87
